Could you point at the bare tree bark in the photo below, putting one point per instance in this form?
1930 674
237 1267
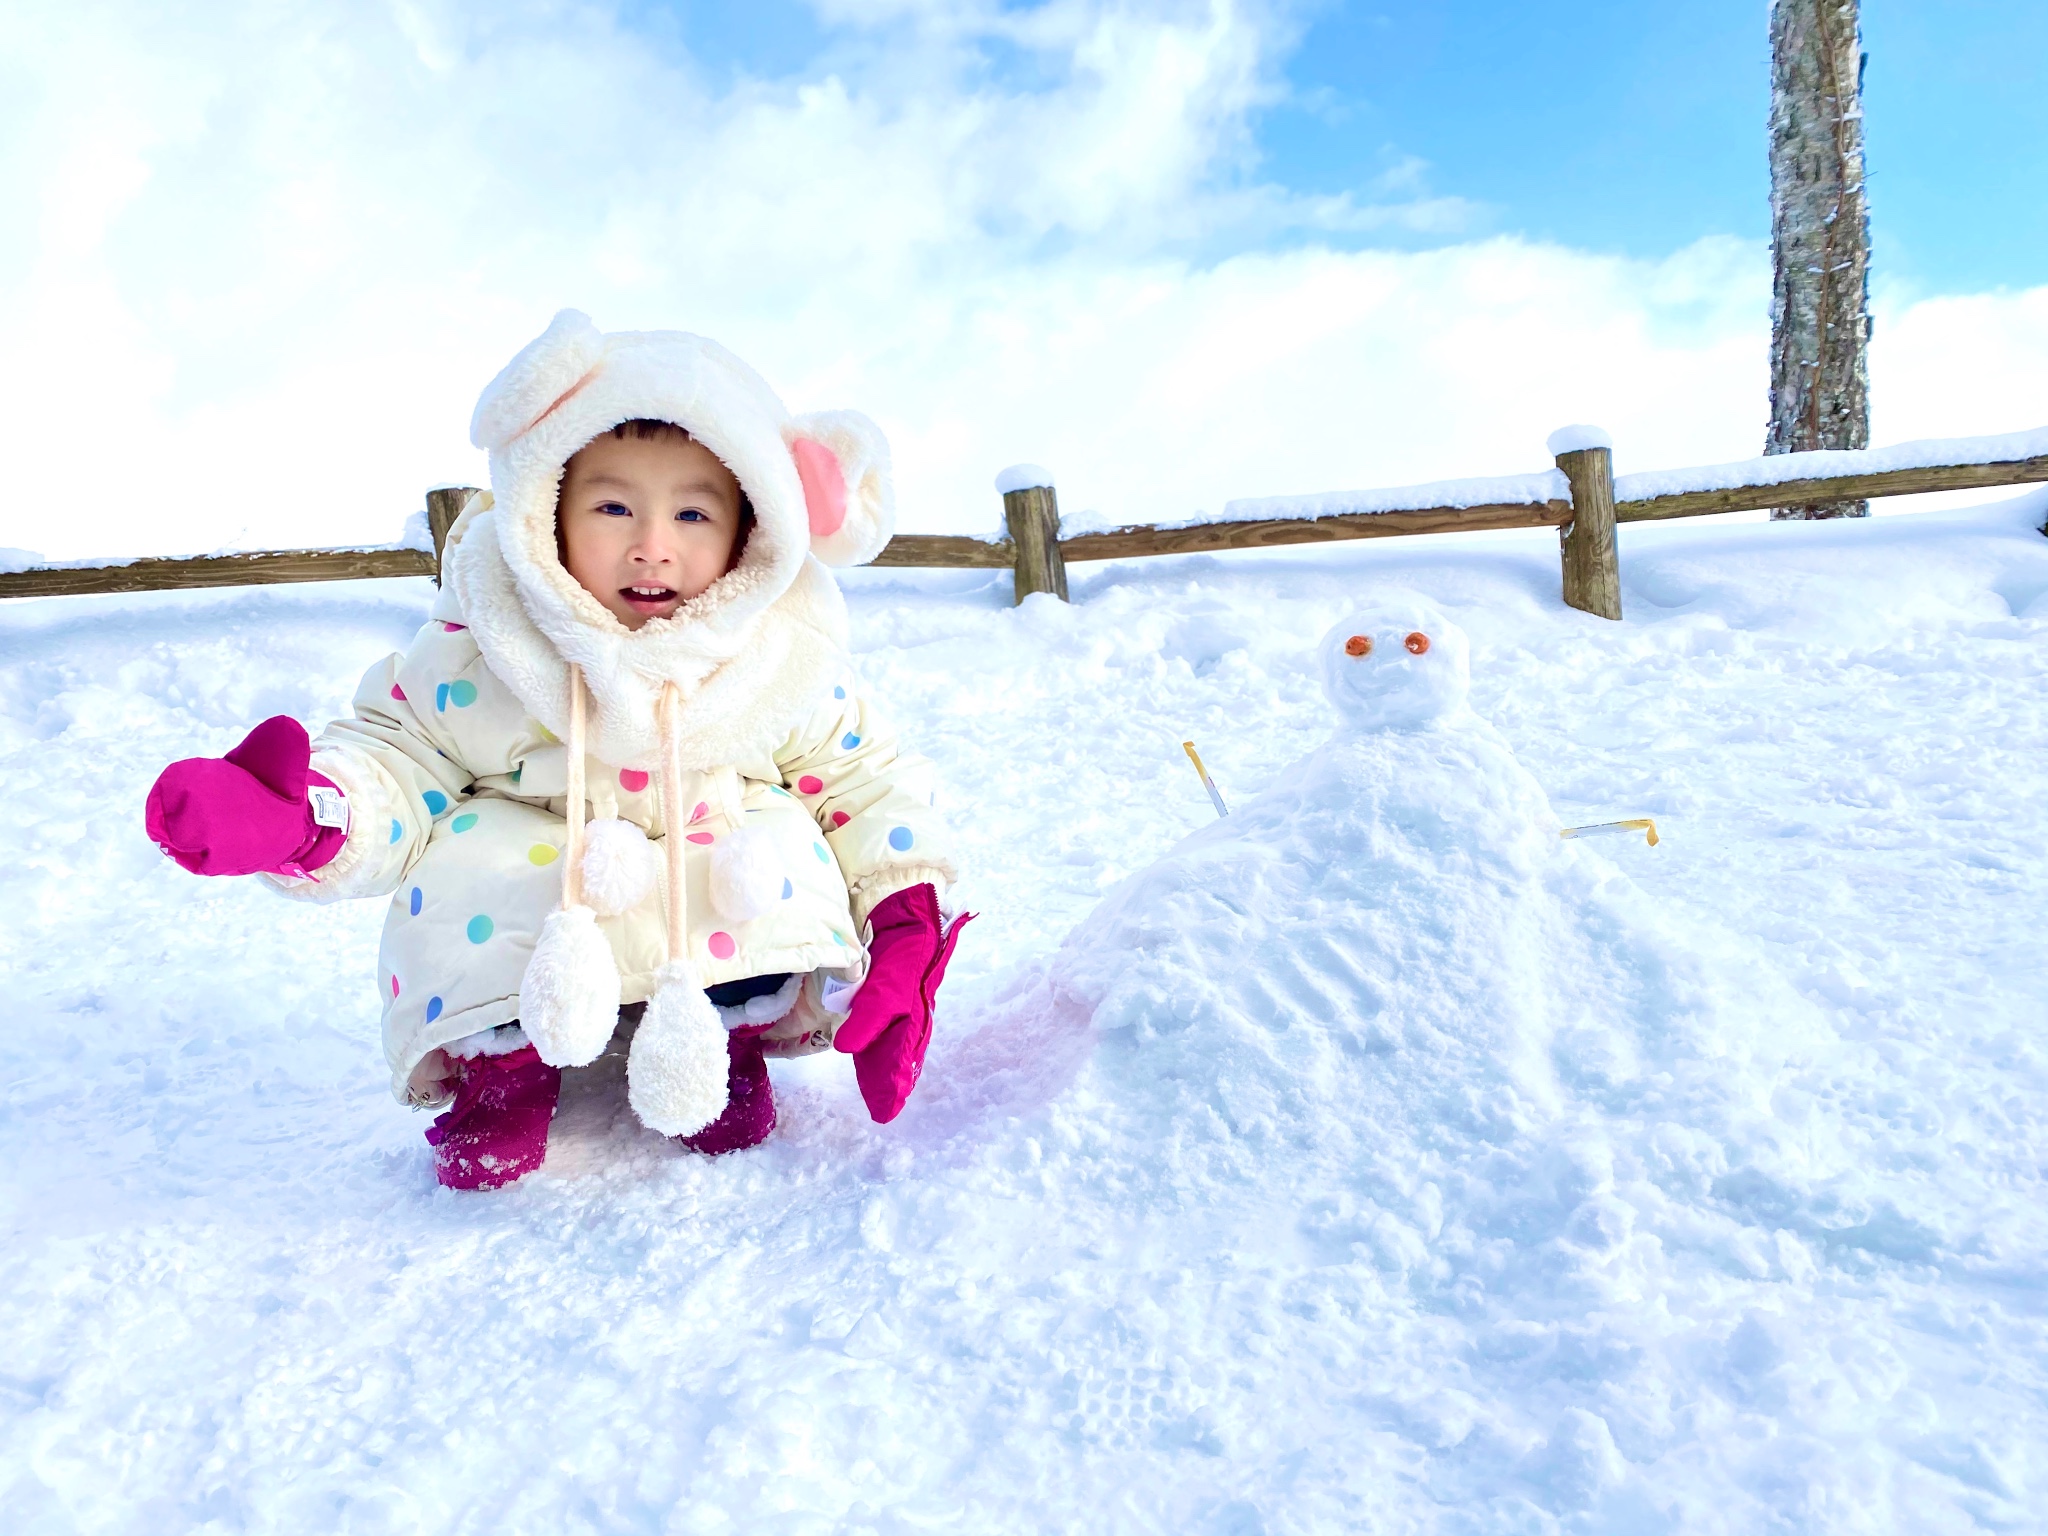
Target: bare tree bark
1820 238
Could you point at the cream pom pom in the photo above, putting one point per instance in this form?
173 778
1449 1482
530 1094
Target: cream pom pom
620 866
746 875
676 1072
569 996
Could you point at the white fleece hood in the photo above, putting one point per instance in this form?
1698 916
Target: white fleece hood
747 656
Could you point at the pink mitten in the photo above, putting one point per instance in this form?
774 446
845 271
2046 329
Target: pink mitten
245 813
891 1022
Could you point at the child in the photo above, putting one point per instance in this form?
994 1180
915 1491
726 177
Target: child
623 772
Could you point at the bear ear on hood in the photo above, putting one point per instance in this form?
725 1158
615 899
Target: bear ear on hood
843 461
547 371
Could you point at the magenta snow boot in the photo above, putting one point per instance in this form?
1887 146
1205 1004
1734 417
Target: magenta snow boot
750 1103
497 1129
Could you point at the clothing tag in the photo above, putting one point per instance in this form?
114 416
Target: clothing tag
330 807
836 995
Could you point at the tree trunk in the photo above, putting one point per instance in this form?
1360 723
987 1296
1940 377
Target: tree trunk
1820 238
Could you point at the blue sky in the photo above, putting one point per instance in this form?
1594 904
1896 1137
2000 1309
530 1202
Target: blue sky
1181 251
1608 125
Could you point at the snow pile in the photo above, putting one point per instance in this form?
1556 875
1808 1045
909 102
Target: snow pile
1575 439
1371 1160
1549 485
418 534
1775 469
1484 491
1023 477
1473 1124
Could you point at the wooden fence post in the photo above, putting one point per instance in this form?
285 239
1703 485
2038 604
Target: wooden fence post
1592 576
444 505
1032 509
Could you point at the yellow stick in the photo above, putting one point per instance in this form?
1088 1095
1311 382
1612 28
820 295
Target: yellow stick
1215 794
1644 824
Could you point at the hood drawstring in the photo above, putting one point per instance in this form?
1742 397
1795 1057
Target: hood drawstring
677 1070
673 820
576 794
569 997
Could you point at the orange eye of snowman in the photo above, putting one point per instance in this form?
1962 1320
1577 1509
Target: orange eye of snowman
1358 645
1417 642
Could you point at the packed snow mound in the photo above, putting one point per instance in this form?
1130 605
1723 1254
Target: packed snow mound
1383 1016
1393 945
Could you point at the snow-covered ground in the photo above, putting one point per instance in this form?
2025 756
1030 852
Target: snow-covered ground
1724 1214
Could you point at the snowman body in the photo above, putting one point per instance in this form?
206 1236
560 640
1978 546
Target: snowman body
1402 1102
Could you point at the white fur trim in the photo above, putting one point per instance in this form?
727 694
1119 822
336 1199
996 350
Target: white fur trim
676 1071
620 866
863 455
746 875
569 996
750 653
498 1040
769 1008
735 706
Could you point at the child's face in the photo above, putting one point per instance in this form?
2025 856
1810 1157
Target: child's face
647 523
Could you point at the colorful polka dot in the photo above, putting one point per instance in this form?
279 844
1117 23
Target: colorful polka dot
440 698
721 945
838 693
543 854
394 986
788 890
479 929
453 629
462 693
467 820
413 902
396 830
398 693
517 769
840 818
849 741
811 784
436 802
433 1009
702 838
900 838
701 812
819 850
632 780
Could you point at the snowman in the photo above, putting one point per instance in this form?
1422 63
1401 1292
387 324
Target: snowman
1396 887
1392 933
1428 1104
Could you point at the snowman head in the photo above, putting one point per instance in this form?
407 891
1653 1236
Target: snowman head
1395 666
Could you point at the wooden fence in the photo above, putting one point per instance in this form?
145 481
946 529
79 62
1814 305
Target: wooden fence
1036 552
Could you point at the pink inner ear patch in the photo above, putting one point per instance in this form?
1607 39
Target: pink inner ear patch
824 486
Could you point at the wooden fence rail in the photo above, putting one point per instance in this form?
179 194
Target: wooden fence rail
1036 552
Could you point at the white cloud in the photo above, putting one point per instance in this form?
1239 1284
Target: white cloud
261 261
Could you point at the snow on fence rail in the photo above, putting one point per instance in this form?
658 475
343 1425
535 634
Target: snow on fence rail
1581 498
